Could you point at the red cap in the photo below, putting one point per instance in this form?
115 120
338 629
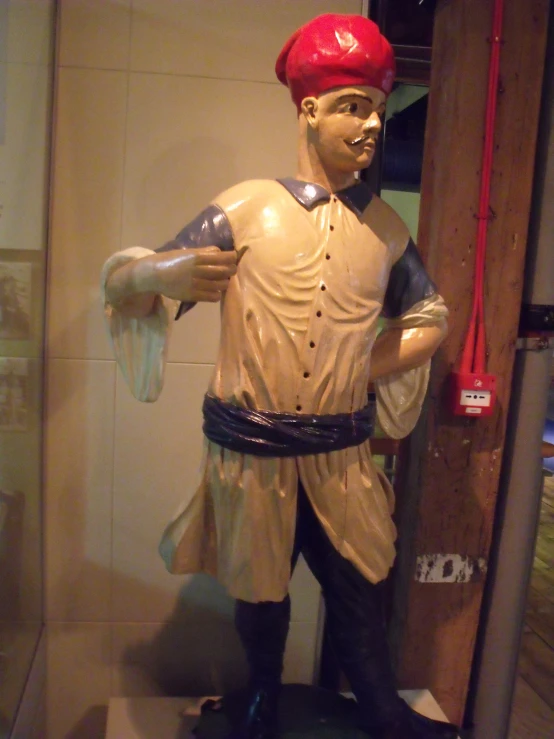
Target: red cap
335 50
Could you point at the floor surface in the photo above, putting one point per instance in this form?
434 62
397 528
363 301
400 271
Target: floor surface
533 707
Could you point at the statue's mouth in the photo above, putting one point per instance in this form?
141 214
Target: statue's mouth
361 140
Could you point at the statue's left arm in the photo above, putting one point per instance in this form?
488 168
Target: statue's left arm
415 326
416 316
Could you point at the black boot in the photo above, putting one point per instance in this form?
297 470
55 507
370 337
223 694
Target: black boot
261 718
355 618
246 714
263 630
413 725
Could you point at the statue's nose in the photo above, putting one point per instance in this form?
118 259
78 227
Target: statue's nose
373 123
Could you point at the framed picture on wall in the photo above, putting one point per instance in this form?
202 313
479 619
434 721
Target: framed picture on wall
15 300
14 394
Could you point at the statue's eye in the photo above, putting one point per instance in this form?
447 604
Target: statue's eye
352 107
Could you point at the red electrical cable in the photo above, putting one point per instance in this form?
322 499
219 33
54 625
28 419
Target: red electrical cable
474 351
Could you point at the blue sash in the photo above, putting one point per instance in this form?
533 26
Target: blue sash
273 434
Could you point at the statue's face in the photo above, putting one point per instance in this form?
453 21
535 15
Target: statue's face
345 124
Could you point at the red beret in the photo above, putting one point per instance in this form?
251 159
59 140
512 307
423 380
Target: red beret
335 50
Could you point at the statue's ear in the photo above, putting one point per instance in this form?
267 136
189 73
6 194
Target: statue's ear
309 108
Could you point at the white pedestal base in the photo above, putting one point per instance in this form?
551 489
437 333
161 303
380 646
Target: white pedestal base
173 718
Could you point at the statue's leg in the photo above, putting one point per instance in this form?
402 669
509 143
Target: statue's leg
357 628
355 619
263 629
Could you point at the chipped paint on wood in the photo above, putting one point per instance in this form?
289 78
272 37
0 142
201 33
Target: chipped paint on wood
450 568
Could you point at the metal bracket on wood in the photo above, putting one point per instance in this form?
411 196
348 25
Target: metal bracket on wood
534 343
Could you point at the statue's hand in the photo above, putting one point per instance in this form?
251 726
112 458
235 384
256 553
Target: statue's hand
192 275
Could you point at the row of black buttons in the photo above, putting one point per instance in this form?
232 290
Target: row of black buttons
318 314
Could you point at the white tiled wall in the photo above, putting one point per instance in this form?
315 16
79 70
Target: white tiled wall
157 455
25 156
79 471
161 104
95 34
88 169
228 39
78 680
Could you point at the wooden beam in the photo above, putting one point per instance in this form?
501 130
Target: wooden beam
386 447
449 469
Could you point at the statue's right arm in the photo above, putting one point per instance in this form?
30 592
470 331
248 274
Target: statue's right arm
194 267
189 275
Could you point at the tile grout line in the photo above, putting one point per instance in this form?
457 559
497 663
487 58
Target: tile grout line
114 361
157 73
116 374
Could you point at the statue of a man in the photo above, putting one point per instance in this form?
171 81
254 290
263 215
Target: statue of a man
304 267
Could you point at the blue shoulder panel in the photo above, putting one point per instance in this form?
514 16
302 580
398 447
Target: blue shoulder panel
209 228
408 283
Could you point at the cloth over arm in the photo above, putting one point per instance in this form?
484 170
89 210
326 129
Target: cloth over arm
140 345
411 301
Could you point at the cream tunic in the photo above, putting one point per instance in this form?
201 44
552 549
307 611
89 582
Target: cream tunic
298 324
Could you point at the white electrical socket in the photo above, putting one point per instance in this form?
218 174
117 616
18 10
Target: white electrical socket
476 398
